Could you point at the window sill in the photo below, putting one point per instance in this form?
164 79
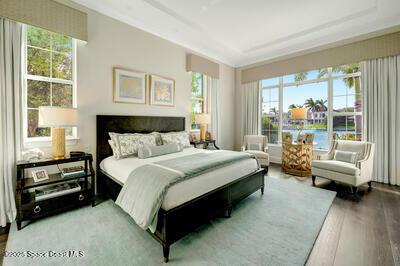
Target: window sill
46 142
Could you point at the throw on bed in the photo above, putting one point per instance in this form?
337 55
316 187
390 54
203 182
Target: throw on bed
143 192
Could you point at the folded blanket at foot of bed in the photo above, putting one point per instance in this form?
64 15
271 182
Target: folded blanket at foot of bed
143 193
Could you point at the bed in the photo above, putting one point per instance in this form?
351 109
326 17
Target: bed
187 204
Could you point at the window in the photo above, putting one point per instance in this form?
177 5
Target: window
49 75
198 97
332 97
270 113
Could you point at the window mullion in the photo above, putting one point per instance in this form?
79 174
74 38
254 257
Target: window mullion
330 105
280 127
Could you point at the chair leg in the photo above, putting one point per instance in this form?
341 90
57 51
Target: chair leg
313 180
369 185
166 253
354 190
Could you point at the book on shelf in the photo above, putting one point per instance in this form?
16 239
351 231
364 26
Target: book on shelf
73 171
56 190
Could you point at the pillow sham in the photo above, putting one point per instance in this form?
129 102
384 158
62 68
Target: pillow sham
345 156
147 151
158 138
112 145
181 138
128 144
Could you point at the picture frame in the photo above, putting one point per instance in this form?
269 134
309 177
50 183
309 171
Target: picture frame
162 91
40 175
129 86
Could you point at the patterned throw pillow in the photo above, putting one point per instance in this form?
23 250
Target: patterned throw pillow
345 156
128 144
181 138
158 138
113 148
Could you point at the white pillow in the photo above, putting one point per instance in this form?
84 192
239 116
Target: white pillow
128 144
345 156
181 138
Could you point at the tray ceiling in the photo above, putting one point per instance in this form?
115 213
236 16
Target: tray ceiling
238 32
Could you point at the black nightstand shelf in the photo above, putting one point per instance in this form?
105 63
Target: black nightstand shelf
29 208
205 144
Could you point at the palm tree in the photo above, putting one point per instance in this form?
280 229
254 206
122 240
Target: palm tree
312 107
302 76
321 105
273 110
295 106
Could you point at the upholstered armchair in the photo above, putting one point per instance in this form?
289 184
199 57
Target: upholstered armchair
349 162
258 146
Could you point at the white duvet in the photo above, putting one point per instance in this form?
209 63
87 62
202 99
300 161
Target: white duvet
186 190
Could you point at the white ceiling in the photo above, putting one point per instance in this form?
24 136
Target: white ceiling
239 32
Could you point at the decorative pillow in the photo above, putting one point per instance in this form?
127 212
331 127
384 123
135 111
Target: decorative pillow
254 146
158 138
181 138
128 144
345 156
113 148
147 151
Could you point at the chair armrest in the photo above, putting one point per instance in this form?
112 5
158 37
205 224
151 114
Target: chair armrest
323 156
243 148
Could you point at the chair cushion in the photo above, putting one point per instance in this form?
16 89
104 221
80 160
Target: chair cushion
336 166
352 146
259 154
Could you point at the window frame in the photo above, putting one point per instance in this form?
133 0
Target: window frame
31 141
329 78
203 99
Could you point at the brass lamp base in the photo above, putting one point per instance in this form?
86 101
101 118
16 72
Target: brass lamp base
202 131
58 135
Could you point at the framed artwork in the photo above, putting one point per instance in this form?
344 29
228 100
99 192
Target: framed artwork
129 86
162 91
40 175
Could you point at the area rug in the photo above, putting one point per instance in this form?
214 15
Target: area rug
278 228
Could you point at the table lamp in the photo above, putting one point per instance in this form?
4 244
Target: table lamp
58 118
203 120
299 114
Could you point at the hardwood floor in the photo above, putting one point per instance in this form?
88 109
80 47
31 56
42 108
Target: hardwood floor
363 230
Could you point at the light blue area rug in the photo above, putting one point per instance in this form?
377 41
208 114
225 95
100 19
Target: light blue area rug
278 228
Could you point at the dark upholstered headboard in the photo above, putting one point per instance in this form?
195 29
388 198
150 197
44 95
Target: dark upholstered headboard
130 124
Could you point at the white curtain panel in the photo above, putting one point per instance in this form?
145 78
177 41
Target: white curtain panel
10 104
213 106
251 108
381 112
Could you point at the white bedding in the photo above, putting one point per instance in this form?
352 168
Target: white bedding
186 190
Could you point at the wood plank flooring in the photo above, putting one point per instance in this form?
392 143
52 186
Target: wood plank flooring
362 230
357 231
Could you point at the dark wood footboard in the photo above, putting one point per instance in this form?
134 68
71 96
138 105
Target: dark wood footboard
178 222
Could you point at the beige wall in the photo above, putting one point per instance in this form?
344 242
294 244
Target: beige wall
112 43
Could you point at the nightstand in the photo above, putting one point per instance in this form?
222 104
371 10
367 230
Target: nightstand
205 144
29 208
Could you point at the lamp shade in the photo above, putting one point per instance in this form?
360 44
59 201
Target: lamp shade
299 113
50 116
202 118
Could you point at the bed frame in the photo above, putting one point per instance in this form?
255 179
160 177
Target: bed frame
173 224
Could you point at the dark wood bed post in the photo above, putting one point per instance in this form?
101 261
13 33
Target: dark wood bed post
170 226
